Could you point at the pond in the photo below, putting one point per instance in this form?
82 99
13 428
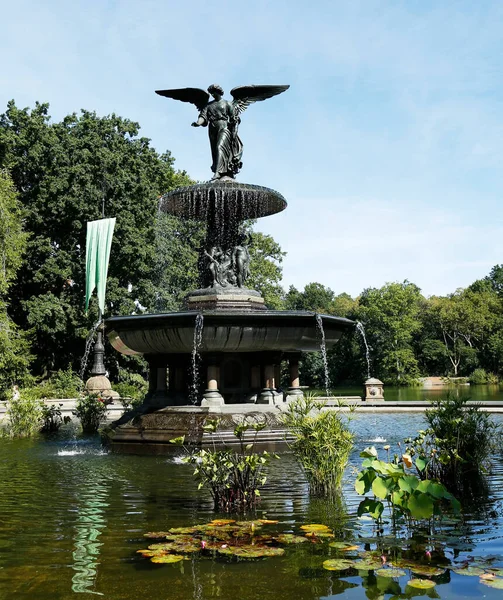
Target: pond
477 393
73 518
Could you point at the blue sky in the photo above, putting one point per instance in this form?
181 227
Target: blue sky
387 147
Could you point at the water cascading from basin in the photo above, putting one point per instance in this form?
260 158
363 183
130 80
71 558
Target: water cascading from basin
323 349
361 331
195 358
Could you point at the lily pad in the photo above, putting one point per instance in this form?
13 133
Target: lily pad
315 527
429 570
392 573
496 583
290 538
147 553
421 584
368 564
470 571
184 530
156 535
251 551
221 522
182 547
343 546
319 534
338 564
249 524
267 522
167 558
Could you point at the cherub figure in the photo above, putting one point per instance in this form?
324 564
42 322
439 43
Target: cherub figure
222 117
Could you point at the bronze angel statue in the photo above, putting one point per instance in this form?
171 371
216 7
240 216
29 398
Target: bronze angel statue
222 117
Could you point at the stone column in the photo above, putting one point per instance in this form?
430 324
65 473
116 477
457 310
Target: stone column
294 391
267 395
160 397
211 396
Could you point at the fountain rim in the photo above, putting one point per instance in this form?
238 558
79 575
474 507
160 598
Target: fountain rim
234 318
172 202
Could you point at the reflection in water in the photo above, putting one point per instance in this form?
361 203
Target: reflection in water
90 523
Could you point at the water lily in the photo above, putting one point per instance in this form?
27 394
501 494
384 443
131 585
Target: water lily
407 460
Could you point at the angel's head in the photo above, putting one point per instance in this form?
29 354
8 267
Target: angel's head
215 90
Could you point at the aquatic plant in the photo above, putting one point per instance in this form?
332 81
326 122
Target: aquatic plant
408 498
321 443
92 411
458 441
232 475
24 416
52 420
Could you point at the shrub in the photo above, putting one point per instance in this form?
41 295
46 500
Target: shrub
233 476
458 441
24 416
321 443
92 411
66 384
52 419
481 376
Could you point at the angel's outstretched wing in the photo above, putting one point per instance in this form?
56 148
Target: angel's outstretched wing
193 95
248 94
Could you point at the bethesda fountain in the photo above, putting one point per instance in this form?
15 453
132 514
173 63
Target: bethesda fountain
224 353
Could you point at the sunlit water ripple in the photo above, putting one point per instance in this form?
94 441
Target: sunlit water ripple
73 516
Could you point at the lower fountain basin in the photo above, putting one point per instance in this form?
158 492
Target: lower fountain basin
229 331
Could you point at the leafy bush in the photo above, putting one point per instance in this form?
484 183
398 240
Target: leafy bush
458 442
408 497
321 443
233 476
62 384
92 411
481 376
24 416
52 419
66 384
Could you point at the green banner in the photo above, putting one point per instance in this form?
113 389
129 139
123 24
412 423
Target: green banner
98 244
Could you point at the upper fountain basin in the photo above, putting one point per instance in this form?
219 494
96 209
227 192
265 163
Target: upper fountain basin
229 331
242 201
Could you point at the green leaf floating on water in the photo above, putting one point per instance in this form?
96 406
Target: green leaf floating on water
157 535
183 547
167 558
290 538
185 530
316 528
496 583
470 571
392 573
338 564
344 546
429 570
251 551
368 564
421 584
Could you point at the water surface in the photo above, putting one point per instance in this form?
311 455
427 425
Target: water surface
73 517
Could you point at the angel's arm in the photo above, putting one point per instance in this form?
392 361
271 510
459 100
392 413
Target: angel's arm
203 119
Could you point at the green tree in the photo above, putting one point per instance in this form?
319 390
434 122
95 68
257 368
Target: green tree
391 319
67 173
14 344
465 320
266 257
315 297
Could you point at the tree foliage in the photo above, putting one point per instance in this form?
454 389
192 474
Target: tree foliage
14 344
67 173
